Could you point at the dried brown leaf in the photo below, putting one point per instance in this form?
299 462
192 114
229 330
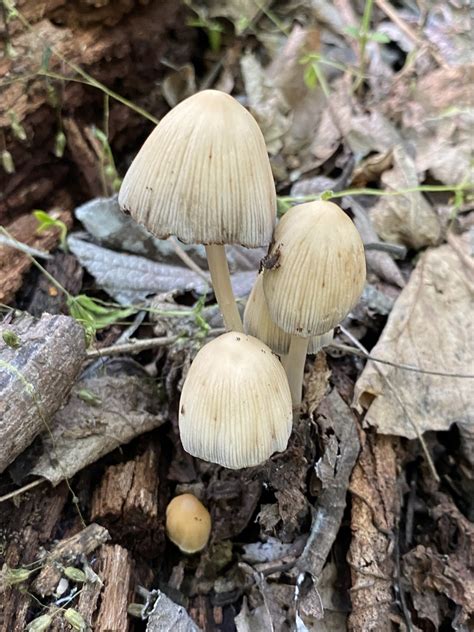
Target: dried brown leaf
429 327
407 218
81 432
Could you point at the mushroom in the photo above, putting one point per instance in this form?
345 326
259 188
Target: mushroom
203 175
188 523
257 323
316 278
235 407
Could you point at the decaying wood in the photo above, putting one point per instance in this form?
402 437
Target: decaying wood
341 446
36 373
101 414
13 263
67 271
375 510
26 528
66 553
127 502
81 33
115 571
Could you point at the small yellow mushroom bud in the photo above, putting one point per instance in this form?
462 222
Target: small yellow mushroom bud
188 523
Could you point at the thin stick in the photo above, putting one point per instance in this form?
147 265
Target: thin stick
186 259
405 367
220 276
22 490
429 460
294 366
134 346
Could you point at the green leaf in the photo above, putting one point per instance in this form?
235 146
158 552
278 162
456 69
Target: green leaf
45 221
380 38
327 195
310 77
352 31
93 315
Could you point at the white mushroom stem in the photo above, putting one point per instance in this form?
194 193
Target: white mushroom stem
220 277
294 366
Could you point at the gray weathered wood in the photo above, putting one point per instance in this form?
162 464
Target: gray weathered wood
39 362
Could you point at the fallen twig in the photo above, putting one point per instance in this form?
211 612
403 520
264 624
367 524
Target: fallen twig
406 367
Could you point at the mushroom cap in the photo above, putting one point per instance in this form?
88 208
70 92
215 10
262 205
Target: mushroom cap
235 407
319 272
188 523
258 323
203 175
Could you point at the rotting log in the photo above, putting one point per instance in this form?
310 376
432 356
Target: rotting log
26 528
67 553
127 501
115 571
122 45
39 362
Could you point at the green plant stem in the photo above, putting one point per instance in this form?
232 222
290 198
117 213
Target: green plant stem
363 36
422 188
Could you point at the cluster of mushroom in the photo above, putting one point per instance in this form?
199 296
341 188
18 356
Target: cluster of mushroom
204 175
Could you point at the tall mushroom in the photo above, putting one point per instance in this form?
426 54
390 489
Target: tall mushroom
316 278
235 406
258 323
203 175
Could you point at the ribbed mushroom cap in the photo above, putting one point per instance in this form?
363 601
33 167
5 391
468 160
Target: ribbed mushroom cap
203 175
258 323
235 407
319 272
188 523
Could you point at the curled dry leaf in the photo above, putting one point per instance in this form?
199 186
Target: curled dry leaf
439 285
408 219
167 616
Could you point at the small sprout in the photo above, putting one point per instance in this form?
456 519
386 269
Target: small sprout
11 339
17 128
188 523
88 397
109 171
10 52
7 162
75 574
75 620
46 221
327 195
15 576
11 10
59 144
40 624
51 92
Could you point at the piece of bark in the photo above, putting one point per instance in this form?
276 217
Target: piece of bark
374 515
115 571
13 262
36 374
95 37
127 502
27 527
67 271
66 553
341 446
